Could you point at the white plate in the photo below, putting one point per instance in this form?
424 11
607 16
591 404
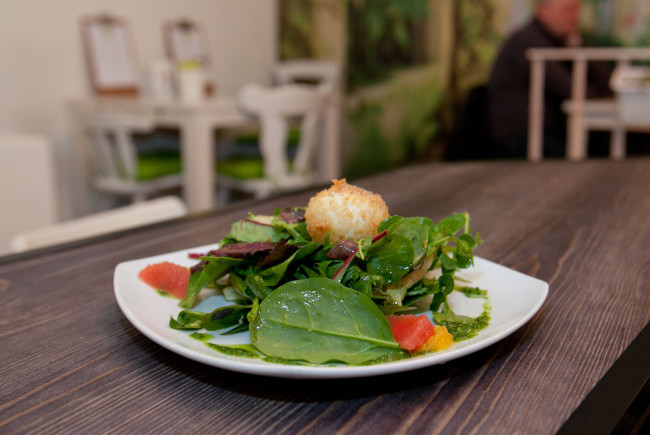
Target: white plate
513 296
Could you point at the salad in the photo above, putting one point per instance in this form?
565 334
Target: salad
340 281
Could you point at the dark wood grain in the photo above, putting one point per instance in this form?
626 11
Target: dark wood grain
72 363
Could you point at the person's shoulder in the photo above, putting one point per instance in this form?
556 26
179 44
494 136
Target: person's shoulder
530 35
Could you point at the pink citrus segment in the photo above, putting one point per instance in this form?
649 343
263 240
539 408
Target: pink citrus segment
168 277
411 331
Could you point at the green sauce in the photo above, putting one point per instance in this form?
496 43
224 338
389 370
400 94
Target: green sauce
277 360
467 327
387 358
241 351
201 336
472 292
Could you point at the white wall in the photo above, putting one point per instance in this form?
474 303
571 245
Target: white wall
42 65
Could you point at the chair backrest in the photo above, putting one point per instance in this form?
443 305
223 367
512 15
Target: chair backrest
28 187
308 71
122 218
111 143
276 107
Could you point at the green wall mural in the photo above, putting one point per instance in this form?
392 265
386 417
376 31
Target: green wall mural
410 63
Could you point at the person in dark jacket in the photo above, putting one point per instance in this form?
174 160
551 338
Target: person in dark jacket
555 25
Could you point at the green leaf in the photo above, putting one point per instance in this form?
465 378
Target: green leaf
448 264
468 239
446 282
238 283
237 329
417 231
187 320
273 275
451 317
310 273
319 320
391 257
246 231
225 317
452 224
463 261
215 269
297 231
387 223
257 285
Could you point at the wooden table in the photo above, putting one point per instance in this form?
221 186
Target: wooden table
71 362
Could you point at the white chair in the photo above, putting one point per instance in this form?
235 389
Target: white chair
28 185
276 108
308 71
117 219
326 75
120 169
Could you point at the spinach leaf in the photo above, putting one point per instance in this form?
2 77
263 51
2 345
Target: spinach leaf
389 222
297 230
319 320
417 230
257 286
187 320
216 268
225 317
391 257
246 230
273 275
242 327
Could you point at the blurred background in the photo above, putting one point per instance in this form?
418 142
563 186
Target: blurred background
407 64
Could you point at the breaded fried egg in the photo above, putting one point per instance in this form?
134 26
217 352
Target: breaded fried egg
345 211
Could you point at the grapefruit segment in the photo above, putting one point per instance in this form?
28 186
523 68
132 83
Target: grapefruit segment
168 277
411 331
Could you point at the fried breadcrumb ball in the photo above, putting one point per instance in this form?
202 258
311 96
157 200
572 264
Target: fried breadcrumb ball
349 212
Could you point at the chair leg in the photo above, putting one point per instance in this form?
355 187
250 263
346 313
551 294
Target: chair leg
223 196
617 145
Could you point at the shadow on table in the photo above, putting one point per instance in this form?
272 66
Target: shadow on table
451 375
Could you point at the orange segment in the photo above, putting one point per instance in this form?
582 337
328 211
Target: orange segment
441 339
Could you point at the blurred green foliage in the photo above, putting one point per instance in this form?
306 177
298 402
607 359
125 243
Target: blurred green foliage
371 149
374 150
382 38
296 29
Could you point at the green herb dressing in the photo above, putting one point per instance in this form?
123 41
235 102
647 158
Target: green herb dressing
288 362
249 351
387 358
472 292
200 336
466 330
241 351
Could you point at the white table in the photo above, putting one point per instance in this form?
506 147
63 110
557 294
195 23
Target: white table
604 115
196 123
